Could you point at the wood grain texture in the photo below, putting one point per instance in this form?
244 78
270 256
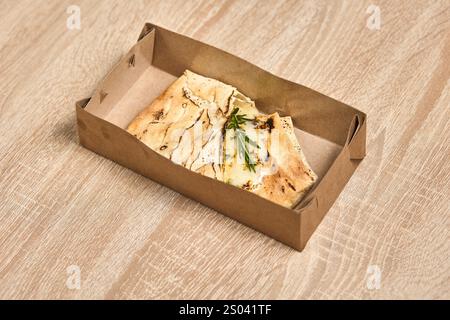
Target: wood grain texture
63 205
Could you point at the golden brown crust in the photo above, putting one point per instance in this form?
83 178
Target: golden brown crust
293 176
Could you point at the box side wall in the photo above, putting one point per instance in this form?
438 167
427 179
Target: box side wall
311 111
118 145
317 203
339 174
123 75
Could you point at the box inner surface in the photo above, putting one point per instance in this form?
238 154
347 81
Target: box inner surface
319 152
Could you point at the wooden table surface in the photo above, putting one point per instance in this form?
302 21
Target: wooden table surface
67 214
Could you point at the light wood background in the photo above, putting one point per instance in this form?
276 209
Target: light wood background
62 205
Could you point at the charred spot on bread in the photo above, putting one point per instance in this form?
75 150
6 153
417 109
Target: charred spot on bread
247 185
158 114
291 186
269 123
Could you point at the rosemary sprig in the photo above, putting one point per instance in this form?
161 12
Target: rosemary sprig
242 139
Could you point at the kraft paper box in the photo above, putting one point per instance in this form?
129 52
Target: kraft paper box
332 134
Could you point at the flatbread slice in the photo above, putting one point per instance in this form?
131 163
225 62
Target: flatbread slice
185 123
190 124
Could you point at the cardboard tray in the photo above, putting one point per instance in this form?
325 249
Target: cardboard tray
332 134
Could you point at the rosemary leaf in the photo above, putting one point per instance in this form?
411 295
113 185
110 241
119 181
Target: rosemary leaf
242 140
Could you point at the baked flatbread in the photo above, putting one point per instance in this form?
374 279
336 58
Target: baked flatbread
213 129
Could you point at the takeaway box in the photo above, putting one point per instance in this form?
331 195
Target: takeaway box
331 134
